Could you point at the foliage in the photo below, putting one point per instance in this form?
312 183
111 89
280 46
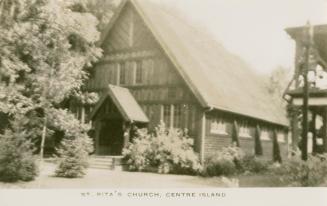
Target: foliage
277 83
75 147
168 151
225 162
46 51
103 10
16 157
217 166
296 172
43 55
73 159
253 164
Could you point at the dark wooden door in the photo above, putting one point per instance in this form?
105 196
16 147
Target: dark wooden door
111 138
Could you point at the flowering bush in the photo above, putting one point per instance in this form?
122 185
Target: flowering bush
167 151
296 172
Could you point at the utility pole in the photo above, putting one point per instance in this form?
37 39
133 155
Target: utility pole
308 34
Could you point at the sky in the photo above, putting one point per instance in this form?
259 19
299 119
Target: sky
254 29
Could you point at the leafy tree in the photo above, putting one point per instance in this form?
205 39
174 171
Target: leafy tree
277 83
103 10
46 50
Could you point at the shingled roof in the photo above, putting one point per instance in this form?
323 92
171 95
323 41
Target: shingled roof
125 103
218 78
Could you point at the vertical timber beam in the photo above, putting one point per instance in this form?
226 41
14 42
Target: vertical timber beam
203 136
97 126
325 130
295 133
313 131
126 134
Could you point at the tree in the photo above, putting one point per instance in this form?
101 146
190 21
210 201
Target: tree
277 83
46 50
103 10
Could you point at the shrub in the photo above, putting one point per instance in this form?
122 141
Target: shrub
217 166
16 157
225 162
296 172
137 154
253 164
167 151
75 146
73 157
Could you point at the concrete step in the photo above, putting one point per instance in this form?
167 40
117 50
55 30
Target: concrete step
109 161
106 162
101 166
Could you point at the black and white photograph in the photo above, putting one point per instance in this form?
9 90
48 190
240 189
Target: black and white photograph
194 98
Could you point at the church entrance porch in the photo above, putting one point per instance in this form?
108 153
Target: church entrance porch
114 118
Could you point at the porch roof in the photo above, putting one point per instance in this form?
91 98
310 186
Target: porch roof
125 103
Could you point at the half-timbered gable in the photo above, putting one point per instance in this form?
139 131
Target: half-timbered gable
133 59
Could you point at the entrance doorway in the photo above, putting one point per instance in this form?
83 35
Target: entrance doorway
111 138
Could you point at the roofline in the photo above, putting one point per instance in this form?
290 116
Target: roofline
166 50
157 37
171 57
110 94
294 31
112 22
116 102
97 106
244 115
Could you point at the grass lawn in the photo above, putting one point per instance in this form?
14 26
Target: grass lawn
102 178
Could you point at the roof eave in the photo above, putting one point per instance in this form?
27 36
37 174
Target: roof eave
214 107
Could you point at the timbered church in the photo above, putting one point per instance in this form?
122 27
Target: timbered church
157 67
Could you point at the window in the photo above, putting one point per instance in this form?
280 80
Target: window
172 115
218 127
166 115
177 116
264 134
139 73
122 73
244 130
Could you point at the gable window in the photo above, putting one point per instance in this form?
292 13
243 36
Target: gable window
139 73
122 73
218 126
264 134
244 130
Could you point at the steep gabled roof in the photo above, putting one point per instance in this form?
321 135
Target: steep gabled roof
125 103
218 79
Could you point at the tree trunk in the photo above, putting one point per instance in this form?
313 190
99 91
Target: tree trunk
44 133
